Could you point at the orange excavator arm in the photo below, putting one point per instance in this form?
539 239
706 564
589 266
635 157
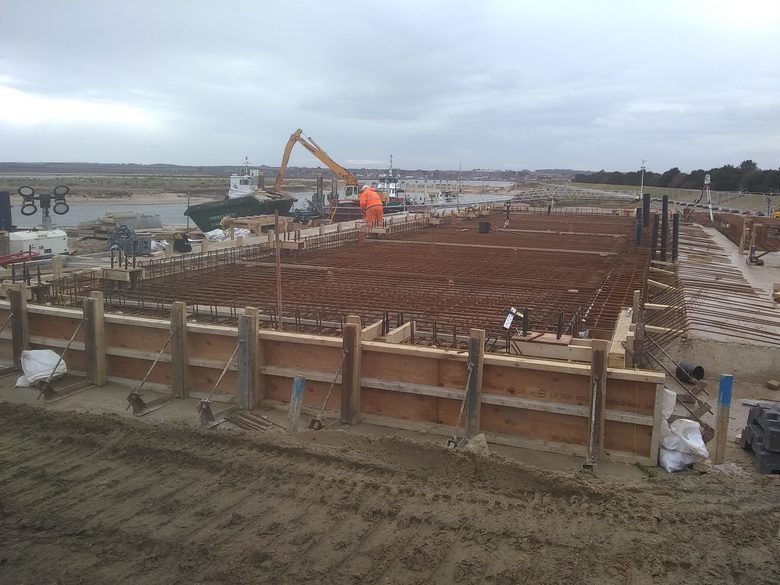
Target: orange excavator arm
323 156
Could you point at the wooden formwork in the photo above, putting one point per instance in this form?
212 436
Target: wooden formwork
533 402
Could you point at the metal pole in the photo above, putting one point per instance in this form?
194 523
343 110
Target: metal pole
646 210
654 245
638 235
664 226
675 236
278 270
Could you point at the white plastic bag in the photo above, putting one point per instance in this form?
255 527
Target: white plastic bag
216 235
683 446
38 364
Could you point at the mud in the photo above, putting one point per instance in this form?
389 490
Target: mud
98 499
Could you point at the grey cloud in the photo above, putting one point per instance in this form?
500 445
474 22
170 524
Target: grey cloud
433 82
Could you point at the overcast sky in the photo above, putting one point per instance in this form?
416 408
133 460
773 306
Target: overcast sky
485 84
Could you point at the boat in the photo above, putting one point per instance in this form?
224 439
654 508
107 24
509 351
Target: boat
245 197
389 188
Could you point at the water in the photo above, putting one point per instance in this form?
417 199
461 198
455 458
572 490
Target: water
173 213
170 213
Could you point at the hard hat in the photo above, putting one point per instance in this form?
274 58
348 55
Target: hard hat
365 187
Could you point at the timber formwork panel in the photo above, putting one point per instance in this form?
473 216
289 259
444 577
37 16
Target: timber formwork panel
56 327
400 368
314 392
133 368
135 338
536 384
409 407
213 347
627 437
538 403
631 396
534 424
301 356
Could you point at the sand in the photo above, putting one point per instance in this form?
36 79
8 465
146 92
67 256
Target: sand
89 498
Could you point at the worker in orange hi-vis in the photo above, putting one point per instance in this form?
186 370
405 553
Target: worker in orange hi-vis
371 204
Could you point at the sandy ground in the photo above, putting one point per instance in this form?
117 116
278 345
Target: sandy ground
97 498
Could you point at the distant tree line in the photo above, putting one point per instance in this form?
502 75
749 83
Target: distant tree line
745 177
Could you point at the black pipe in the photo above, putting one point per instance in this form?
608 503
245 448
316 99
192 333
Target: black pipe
559 330
638 236
646 209
689 373
675 236
654 245
664 226
525 322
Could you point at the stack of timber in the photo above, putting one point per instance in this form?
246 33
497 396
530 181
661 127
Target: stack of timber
103 227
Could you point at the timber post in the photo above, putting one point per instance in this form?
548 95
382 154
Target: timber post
95 339
598 398
20 323
350 374
474 378
56 267
722 418
247 360
179 372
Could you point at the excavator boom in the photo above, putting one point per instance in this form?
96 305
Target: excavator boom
315 149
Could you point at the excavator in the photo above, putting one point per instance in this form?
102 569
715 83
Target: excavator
351 190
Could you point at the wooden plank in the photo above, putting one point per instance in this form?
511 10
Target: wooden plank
400 334
296 399
372 331
617 353
351 374
571 352
20 325
179 351
247 355
474 386
597 405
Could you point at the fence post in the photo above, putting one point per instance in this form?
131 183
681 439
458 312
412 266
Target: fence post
179 371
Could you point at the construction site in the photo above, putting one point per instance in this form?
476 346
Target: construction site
477 396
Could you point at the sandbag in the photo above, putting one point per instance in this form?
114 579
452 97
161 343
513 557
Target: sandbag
683 446
38 364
